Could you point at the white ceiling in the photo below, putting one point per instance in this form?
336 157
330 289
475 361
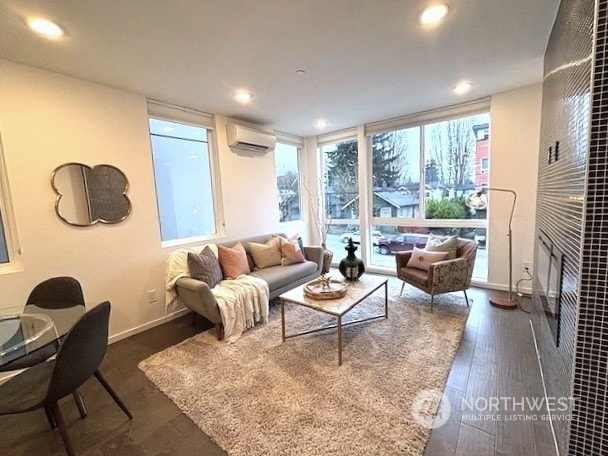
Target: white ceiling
365 60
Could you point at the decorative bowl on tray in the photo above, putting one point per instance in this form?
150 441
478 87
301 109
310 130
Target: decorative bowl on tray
325 288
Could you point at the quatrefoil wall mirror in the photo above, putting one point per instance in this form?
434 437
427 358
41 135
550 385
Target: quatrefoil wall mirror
87 195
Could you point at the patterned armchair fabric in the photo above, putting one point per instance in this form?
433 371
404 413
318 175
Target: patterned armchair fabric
444 276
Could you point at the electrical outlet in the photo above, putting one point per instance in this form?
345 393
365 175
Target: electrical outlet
151 296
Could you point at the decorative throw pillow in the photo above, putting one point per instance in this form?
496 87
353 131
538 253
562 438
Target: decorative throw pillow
291 252
296 237
422 259
233 261
443 244
266 255
205 266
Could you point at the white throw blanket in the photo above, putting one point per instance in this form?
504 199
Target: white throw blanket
243 301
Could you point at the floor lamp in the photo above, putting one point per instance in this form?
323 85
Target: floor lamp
479 200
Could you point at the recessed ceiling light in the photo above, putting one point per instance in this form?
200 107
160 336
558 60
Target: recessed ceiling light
300 71
322 124
45 28
462 88
242 96
434 14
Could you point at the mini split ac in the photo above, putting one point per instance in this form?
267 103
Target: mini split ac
245 138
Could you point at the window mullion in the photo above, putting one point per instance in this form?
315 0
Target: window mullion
422 191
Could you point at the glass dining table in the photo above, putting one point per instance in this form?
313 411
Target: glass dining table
30 330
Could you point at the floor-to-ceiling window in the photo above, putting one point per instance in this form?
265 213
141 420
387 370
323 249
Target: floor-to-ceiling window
419 177
340 186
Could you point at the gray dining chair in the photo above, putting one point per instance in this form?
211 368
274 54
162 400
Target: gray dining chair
78 359
53 293
57 293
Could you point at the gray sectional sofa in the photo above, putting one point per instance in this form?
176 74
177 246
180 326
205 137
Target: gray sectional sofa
197 295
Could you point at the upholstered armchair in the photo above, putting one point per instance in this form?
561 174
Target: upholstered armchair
444 276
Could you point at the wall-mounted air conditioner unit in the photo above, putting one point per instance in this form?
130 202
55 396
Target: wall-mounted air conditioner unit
246 138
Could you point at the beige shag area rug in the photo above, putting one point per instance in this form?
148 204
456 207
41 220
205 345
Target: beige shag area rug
260 396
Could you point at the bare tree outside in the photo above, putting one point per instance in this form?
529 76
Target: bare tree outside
451 148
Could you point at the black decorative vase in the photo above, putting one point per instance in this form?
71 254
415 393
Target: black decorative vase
351 267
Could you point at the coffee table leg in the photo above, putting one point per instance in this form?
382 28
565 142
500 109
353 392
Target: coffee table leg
283 319
386 299
339 341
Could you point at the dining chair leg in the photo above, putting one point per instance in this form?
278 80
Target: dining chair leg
67 443
402 285
432 300
50 417
112 393
80 404
466 298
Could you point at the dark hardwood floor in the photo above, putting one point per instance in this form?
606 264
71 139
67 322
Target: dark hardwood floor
496 358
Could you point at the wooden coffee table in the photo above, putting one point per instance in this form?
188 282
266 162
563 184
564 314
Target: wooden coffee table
356 293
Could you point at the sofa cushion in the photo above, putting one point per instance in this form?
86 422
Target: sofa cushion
415 275
266 255
280 276
422 259
233 260
442 244
291 252
205 266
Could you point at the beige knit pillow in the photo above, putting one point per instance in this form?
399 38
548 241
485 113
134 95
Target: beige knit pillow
442 244
266 255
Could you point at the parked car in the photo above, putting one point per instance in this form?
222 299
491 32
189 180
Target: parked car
356 235
401 242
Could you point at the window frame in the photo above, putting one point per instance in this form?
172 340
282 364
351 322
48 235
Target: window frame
426 120
7 215
281 139
363 134
185 116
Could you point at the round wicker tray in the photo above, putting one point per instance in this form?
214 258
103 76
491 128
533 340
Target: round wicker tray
315 290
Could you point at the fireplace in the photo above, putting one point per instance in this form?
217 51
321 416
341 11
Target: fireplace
548 281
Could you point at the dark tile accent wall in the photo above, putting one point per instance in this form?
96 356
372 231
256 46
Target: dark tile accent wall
561 183
589 428
573 210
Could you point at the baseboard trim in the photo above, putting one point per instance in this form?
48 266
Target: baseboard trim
151 324
500 287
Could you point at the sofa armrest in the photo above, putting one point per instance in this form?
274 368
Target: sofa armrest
402 258
196 295
314 254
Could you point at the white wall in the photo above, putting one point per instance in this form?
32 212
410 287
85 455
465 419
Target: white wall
515 142
47 119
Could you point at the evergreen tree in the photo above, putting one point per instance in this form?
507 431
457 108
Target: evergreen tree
341 174
386 171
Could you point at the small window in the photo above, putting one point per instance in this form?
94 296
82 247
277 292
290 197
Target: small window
484 165
288 182
184 181
3 246
8 248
